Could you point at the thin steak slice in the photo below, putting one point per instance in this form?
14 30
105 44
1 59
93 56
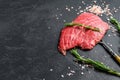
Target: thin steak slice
78 36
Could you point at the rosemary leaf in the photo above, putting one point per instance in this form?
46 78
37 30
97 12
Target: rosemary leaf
82 25
115 23
97 65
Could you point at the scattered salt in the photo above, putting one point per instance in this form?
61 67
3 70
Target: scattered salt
107 10
99 11
71 72
96 9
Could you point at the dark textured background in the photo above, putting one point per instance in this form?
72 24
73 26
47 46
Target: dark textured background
29 33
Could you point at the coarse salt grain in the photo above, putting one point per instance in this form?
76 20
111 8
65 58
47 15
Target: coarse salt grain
64 20
79 7
68 67
49 27
83 2
108 43
69 74
57 18
76 10
81 11
111 45
80 65
60 14
68 9
109 35
51 69
82 72
83 67
107 18
57 8
105 56
114 34
43 79
89 72
78 13
95 1
72 7
72 71
62 76
86 65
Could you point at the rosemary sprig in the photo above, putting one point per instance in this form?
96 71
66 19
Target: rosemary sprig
115 23
87 27
97 65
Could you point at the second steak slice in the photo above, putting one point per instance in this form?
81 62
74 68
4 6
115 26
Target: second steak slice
78 36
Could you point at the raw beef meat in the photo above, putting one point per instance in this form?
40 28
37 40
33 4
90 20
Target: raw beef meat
78 36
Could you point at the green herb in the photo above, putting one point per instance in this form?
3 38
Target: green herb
87 27
97 65
115 22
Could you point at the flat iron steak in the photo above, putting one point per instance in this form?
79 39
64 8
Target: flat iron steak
71 37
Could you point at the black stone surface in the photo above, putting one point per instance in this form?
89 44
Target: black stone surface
29 34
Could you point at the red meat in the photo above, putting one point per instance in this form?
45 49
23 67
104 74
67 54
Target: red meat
78 36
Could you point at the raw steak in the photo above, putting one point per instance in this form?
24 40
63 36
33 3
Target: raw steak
78 36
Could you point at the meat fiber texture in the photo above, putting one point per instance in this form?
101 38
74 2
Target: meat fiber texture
71 37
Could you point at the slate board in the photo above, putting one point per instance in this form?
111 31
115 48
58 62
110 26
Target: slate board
29 34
